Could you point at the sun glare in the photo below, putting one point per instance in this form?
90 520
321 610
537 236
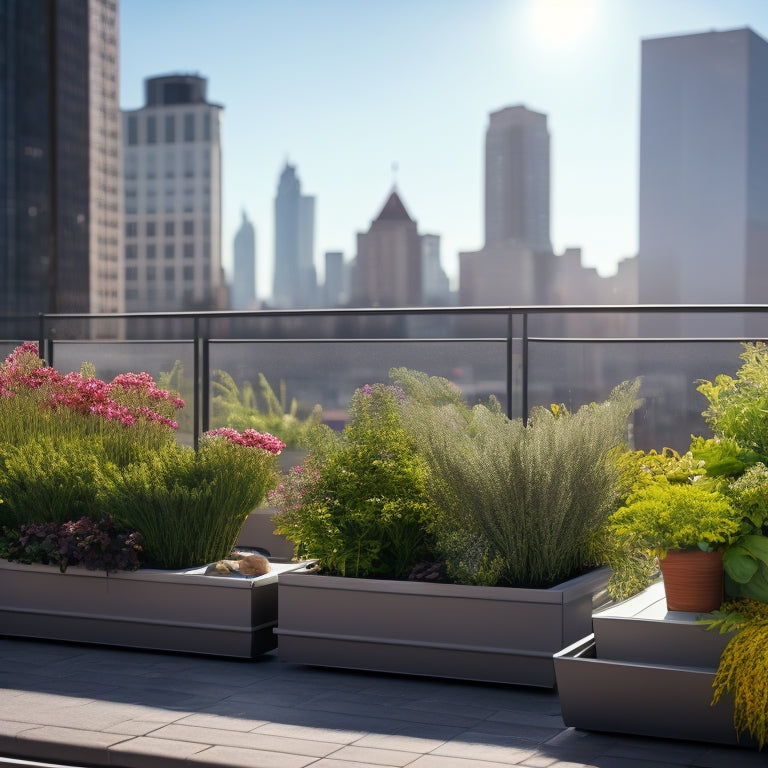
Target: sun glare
561 23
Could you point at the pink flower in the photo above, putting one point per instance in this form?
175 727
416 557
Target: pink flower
250 438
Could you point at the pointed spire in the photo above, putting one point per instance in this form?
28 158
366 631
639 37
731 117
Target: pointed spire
393 209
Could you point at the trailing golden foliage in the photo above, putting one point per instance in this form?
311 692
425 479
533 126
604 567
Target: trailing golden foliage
743 669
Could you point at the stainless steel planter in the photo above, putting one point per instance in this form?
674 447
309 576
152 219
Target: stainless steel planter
492 634
153 609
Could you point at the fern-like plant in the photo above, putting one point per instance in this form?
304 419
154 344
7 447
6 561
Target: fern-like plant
521 504
743 669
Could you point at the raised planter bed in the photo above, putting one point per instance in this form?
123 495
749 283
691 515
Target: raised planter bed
258 532
646 671
490 634
151 609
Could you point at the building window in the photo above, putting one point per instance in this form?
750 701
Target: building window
169 229
170 294
189 227
189 164
151 274
151 228
170 251
151 251
206 249
131 273
189 127
189 251
151 165
207 227
189 272
206 126
170 164
131 229
170 274
133 130
170 129
132 294
131 251
151 129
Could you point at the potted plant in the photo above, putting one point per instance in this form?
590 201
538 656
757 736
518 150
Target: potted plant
400 557
686 525
94 485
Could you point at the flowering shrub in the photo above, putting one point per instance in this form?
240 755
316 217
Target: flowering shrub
190 505
96 545
36 401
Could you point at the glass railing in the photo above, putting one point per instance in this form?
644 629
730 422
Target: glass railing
524 356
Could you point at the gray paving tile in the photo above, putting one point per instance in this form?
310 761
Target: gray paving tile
227 757
254 741
499 749
369 756
442 761
148 752
313 733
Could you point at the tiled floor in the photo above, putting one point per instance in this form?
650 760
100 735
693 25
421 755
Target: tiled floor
90 706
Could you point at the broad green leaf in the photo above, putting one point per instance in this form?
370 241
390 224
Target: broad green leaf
739 563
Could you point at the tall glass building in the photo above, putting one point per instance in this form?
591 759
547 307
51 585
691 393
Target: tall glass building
59 156
703 224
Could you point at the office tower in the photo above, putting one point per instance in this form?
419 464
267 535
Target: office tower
703 224
172 198
388 266
517 179
244 273
435 286
335 288
59 150
295 281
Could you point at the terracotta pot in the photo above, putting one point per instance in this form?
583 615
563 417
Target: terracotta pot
693 580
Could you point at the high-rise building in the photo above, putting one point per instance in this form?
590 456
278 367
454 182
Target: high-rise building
387 271
243 294
435 285
703 223
295 281
172 198
59 157
517 179
335 289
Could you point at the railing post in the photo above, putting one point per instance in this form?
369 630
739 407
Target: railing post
510 330
196 384
524 394
44 344
206 388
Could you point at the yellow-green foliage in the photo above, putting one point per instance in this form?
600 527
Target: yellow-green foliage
743 669
661 515
737 406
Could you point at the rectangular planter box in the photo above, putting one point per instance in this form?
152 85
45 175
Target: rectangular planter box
490 634
151 609
259 531
648 672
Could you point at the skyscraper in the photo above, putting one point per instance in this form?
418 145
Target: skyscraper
517 179
703 234
387 271
244 281
172 198
59 150
295 281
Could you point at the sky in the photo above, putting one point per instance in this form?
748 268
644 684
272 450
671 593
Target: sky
362 95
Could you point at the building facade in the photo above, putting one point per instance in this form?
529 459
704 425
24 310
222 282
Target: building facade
243 293
517 195
59 157
295 277
703 204
172 198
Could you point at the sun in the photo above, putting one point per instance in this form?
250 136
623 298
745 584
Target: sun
561 23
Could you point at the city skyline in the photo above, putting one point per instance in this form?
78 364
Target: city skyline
346 97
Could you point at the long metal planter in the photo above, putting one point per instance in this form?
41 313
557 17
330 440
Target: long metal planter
491 634
151 609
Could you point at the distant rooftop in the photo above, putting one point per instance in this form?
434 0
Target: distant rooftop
175 89
394 210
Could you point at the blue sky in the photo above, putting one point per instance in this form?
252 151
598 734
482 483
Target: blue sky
345 89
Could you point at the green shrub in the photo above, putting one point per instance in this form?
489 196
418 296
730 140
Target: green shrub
520 504
359 502
189 506
49 480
